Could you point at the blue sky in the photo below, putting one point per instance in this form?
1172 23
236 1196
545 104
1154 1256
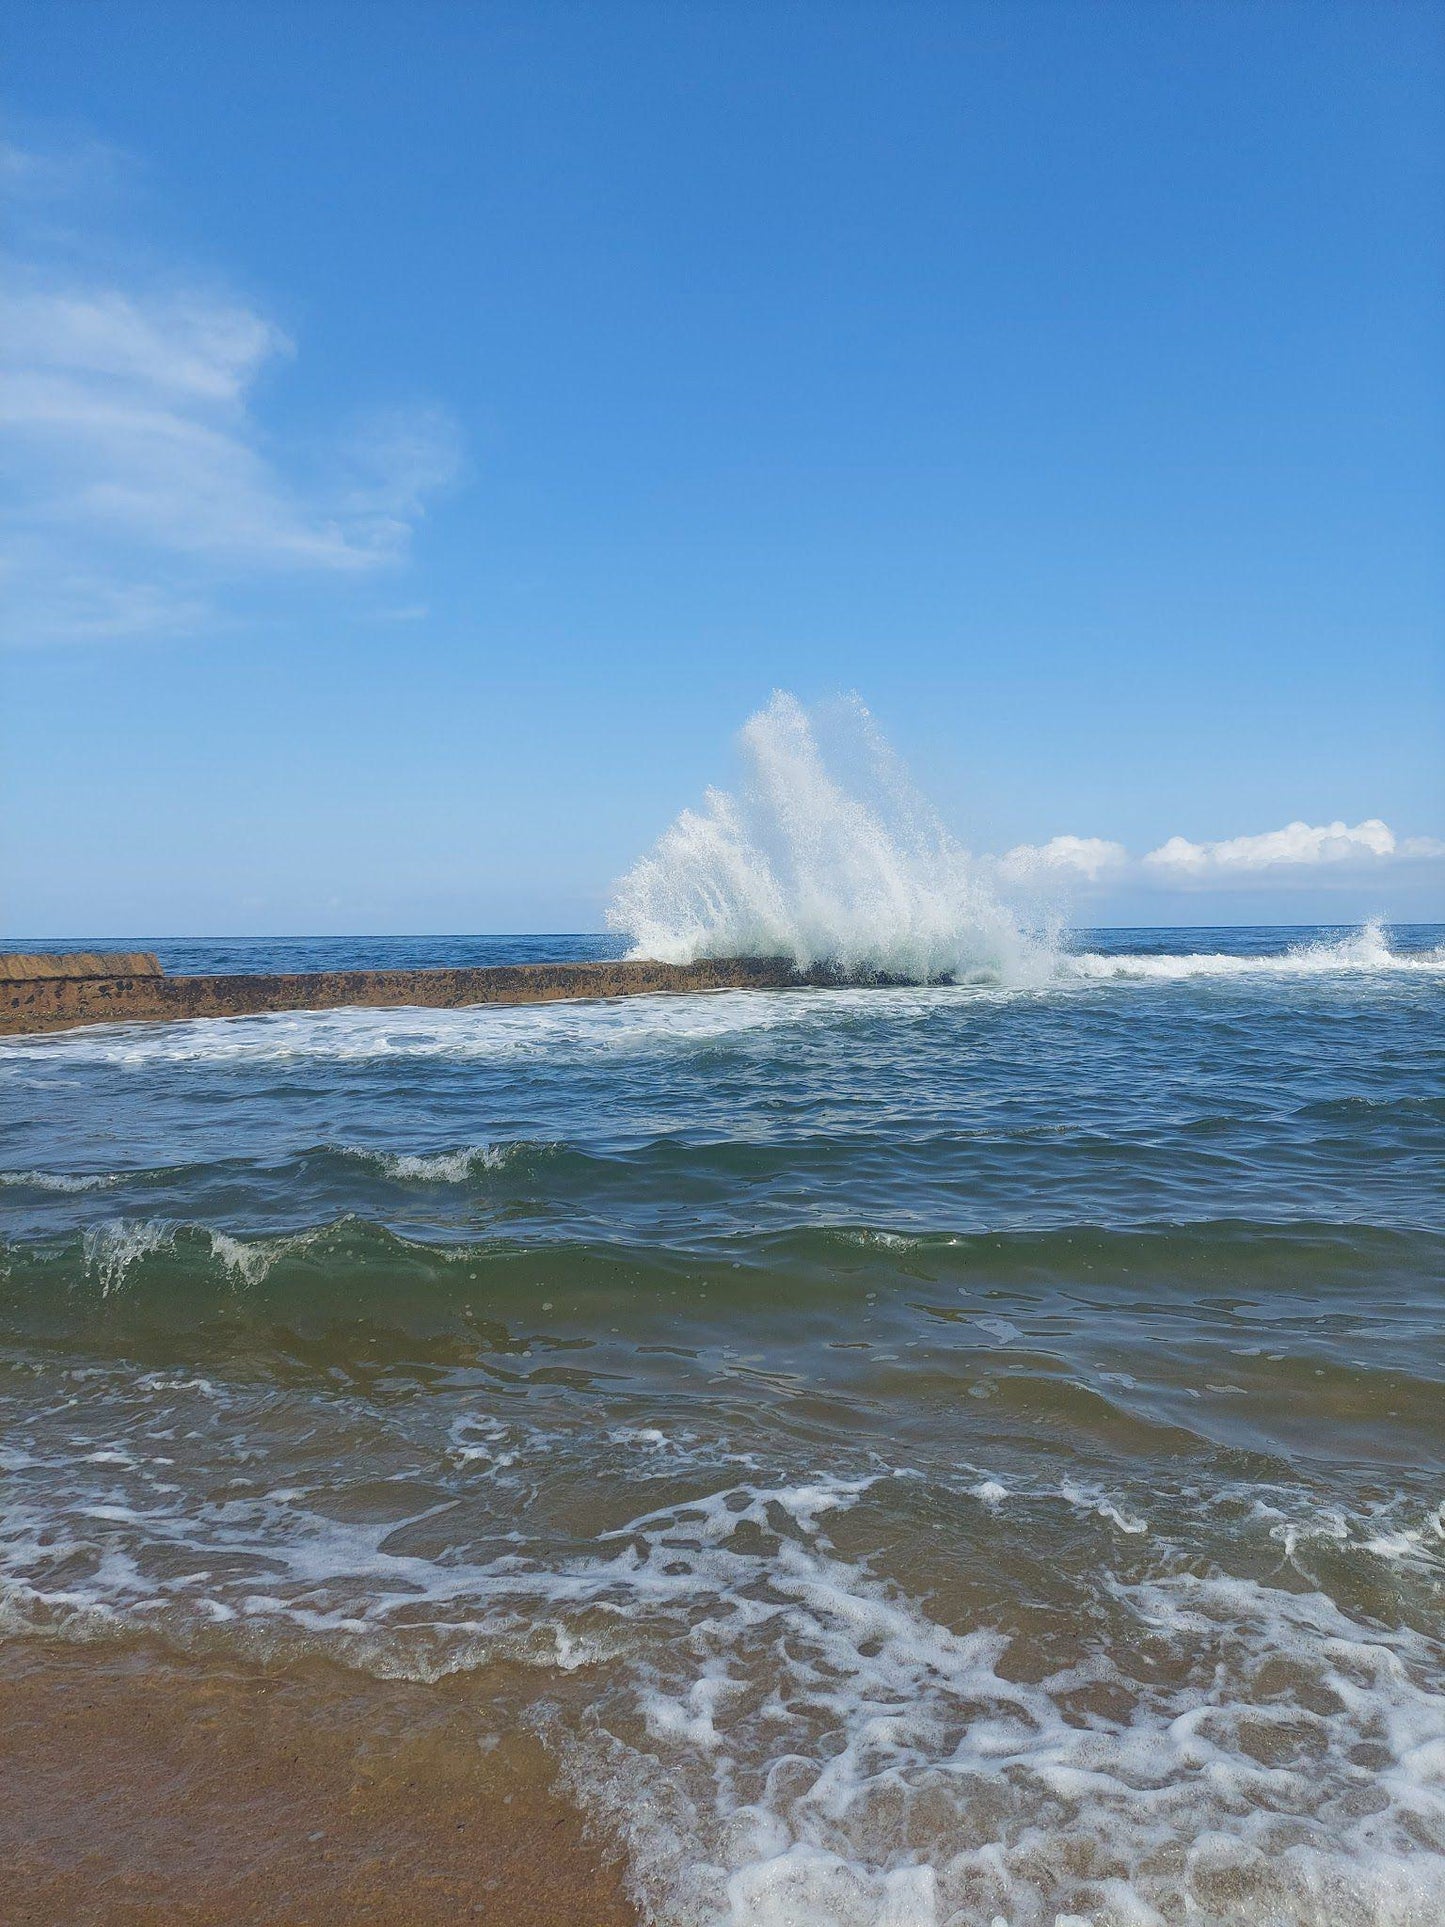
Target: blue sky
433 429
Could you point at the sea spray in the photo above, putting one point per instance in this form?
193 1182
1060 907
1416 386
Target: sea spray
828 856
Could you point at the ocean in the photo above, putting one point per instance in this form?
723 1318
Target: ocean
878 1455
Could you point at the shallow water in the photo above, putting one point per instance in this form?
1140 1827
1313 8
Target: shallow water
938 1455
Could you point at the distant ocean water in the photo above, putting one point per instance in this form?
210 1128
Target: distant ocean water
914 1456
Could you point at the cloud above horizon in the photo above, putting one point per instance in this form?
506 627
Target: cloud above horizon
145 483
1090 857
1298 850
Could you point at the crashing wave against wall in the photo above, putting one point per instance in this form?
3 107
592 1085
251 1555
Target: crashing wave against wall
826 856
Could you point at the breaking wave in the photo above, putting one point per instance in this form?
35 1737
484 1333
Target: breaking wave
168 1281
826 856
62 1181
829 857
1358 952
112 1249
437 1167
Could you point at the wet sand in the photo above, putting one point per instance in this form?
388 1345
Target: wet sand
137 1789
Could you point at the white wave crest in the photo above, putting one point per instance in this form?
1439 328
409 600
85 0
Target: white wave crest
828 857
247 1260
439 1167
111 1249
1360 952
557 1032
59 1180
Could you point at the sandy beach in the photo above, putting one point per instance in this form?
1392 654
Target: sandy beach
138 1789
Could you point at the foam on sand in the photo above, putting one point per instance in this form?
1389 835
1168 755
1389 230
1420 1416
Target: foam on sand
781 1733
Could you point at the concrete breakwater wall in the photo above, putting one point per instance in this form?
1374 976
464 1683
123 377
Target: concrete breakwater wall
20 966
35 1000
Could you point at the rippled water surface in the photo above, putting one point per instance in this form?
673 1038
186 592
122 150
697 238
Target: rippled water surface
941 1455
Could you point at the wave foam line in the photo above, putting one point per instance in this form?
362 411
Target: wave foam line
1360 952
65 1181
644 1027
453 1166
784 1736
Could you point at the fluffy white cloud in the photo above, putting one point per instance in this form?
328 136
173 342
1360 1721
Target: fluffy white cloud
1090 857
142 474
1299 849
1297 845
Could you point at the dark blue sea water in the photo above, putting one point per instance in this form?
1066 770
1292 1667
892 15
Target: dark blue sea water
936 1455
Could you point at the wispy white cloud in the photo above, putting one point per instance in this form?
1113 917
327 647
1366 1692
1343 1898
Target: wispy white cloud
41 181
144 478
80 605
1299 850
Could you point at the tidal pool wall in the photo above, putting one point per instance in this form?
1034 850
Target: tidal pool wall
34 999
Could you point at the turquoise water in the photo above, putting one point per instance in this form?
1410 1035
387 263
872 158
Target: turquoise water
929 1455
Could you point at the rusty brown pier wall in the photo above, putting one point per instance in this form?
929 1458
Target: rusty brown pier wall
58 993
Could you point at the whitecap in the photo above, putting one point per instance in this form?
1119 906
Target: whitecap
1361 952
67 1181
438 1167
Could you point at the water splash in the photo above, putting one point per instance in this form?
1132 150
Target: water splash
1363 952
826 856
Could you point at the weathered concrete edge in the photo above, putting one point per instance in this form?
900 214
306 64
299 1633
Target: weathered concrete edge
29 1006
21 966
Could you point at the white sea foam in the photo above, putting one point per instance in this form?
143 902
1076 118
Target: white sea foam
661 1024
899 1774
439 1167
59 1180
1361 952
657 1025
558 1032
781 1734
826 855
